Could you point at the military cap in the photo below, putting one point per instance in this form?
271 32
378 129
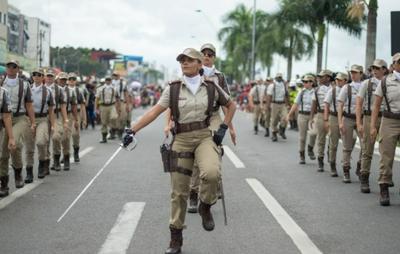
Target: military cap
192 53
208 46
40 71
278 75
114 74
72 75
342 76
379 63
13 62
108 78
396 57
269 79
325 73
308 77
356 68
62 75
50 72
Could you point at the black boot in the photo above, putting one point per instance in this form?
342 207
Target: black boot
296 126
176 241
104 138
112 134
255 130
206 216
310 151
282 132
302 158
346 174
19 181
358 169
66 162
364 187
384 199
4 186
46 167
333 170
320 164
56 163
76 154
29 174
41 173
193 202
274 137
266 132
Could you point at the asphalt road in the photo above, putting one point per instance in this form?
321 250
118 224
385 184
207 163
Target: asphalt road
274 204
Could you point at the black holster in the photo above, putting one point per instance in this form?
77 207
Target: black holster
166 152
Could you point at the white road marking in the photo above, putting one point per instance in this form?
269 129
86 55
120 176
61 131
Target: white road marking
19 193
232 156
89 184
299 237
120 236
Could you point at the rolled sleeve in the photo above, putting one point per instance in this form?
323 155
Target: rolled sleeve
298 97
343 94
328 96
270 89
363 90
164 99
378 91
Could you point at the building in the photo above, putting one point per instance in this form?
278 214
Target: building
39 33
3 30
17 36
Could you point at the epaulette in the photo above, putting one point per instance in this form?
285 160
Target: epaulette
174 82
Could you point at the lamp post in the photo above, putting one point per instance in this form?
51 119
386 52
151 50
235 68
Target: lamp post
253 43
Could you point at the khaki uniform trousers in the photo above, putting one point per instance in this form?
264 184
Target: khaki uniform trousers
57 136
76 132
41 139
256 114
66 137
303 123
207 155
29 142
334 136
266 115
321 134
368 145
20 128
388 138
278 115
349 140
109 117
123 117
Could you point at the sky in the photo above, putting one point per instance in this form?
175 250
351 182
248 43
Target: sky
159 30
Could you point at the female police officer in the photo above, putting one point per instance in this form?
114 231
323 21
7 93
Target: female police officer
191 100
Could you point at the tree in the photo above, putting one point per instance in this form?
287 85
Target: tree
357 10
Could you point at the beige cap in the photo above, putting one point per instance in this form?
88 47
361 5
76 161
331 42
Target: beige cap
208 46
356 68
62 75
342 76
107 78
269 79
278 75
50 72
325 73
38 71
192 53
13 62
308 77
379 63
72 75
396 57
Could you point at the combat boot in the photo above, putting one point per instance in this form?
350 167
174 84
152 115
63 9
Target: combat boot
176 241
274 137
302 158
255 130
66 162
364 180
333 170
112 134
266 132
4 186
76 154
384 199
29 174
46 167
358 169
120 132
104 138
41 173
282 132
193 203
19 181
206 216
346 174
310 151
56 163
320 164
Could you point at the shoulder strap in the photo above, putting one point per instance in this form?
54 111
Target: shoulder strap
20 94
57 97
334 98
211 98
384 91
349 98
77 94
175 88
317 99
103 94
369 94
2 81
68 96
301 99
44 95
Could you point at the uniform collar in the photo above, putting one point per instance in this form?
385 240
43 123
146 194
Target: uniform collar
396 75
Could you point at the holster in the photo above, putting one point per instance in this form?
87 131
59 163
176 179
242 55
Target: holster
166 155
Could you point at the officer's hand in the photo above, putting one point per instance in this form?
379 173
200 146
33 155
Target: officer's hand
326 126
219 134
65 125
167 130
76 125
84 123
341 128
52 128
11 144
360 129
232 133
33 129
128 137
127 108
373 134
311 125
287 118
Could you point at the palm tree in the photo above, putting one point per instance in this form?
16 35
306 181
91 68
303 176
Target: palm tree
357 10
316 14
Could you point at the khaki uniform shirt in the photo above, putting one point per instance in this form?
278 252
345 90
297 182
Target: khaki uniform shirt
257 92
192 107
344 97
320 94
37 96
392 92
304 99
5 103
12 88
120 88
329 98
278 91
363 93
75 97
107 95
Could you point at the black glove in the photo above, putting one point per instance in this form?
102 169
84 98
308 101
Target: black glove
128 138
219 134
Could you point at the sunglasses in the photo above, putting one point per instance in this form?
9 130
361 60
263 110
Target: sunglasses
339 79
209 54
72 79
50 76
307 81
12 66
36 74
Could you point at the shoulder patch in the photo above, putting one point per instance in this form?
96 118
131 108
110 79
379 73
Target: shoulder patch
174 82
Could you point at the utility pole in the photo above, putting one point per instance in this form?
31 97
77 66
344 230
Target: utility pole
253 43
326 45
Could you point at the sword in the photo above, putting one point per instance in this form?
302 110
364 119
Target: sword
223 193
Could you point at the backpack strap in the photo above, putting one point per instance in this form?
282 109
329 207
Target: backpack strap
384 91
20 94
44 97
349 98
369 94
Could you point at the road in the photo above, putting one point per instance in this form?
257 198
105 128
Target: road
274 204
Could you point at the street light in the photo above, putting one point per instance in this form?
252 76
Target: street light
253 43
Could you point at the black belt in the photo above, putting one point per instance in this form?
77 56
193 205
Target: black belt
19 114
348 115
107 104
187 127
256 102
391 115
333 113
40 114
278 102
368 113
307 113
320 111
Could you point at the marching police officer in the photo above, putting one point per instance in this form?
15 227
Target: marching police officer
365 100
107 98
277 100
266 110
193 140
21 104
302 104
347 117
387 91
331 118
125 104
255 98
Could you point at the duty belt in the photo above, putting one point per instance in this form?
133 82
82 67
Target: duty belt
348 115
278 102
368 113
256 102
19 114
107 104
187 127
40 115
333 113
391 115
304 112
320 111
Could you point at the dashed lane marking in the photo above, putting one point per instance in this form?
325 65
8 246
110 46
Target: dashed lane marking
232 156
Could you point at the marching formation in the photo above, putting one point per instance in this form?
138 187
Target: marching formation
342 106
